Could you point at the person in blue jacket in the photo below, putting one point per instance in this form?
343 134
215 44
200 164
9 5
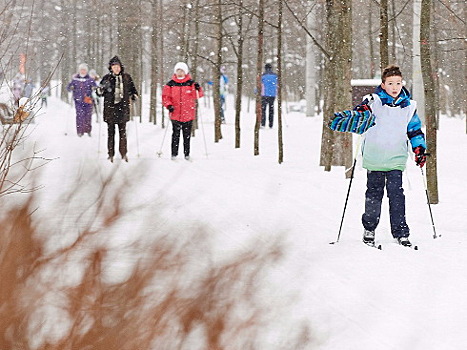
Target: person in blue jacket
391 122
268 94
223 89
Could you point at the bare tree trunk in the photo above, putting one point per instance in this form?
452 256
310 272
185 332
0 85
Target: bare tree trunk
336 148
464 104
430 108
130 45
370 42
217 75
383 34
310 66
238 97
195 62
279 77
161 30
417 81
154 65
393 32
185 29
65 66
74 34
259 66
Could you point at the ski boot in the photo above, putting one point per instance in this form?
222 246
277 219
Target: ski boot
404 241
369 237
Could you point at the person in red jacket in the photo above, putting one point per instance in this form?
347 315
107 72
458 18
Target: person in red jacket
179 96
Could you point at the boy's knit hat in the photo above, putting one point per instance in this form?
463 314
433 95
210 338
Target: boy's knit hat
181 65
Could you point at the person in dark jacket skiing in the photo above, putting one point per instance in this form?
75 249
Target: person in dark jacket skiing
179 96
82 85
118 90
268 94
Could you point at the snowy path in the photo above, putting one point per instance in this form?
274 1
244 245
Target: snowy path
355 297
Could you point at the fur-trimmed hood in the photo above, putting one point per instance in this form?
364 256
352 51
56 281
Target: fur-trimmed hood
116 60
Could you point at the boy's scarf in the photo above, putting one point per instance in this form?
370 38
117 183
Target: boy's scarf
118 88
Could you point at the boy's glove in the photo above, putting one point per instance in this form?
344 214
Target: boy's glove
420 156
197 87
362 108
171 108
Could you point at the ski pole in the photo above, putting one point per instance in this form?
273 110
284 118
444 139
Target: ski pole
429 205
346 200
66 125
159 154
137 140
202 128
99 141
348 190
95 108
97 121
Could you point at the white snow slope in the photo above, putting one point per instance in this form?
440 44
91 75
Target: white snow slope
354 297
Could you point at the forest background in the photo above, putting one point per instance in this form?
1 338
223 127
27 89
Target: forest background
316 47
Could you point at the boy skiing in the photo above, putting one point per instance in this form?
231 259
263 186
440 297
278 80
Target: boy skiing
179 96
389 119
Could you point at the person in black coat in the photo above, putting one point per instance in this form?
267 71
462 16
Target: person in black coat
118 89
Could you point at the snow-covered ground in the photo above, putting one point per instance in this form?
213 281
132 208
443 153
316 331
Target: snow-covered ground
353 297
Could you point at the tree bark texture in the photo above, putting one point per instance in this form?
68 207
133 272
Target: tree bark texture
239 90
259 68
217 74
430 102
279 88
384 34
336 148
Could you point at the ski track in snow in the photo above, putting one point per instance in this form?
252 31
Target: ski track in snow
352 296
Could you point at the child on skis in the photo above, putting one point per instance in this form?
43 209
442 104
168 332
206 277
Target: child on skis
82 86
179 96
389 119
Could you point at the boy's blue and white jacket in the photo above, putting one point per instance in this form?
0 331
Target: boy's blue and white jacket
389 125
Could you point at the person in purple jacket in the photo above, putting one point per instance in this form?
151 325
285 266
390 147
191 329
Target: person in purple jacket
82 85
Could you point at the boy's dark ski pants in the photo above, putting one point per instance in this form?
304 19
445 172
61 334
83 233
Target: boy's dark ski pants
185 127
376 181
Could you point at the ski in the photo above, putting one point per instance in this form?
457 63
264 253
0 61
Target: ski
404 241
373 245
414 247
